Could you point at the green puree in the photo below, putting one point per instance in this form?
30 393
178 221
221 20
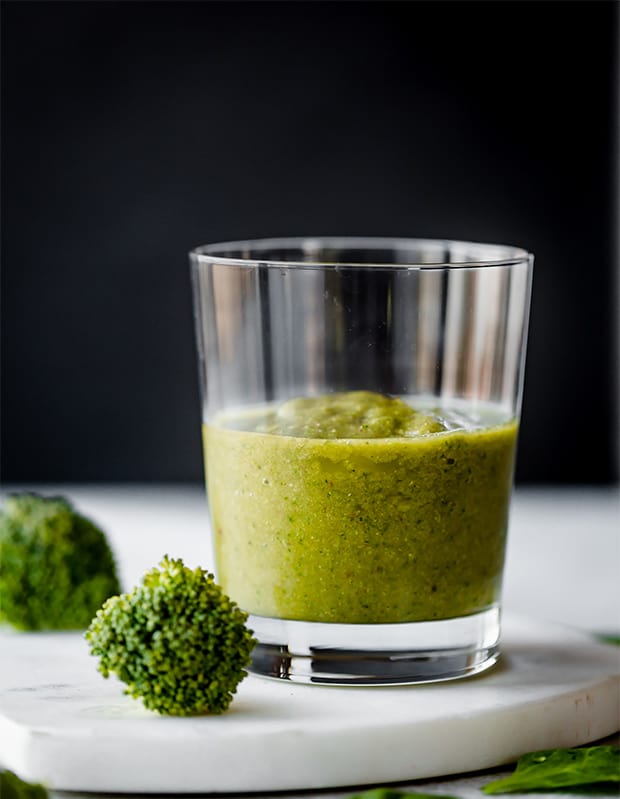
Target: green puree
356 508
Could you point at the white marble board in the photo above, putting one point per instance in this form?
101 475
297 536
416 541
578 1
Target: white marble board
63 724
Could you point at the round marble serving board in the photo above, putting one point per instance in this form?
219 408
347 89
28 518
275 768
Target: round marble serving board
62 724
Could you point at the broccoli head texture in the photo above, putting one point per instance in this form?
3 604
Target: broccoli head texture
177 641
11 787
56 567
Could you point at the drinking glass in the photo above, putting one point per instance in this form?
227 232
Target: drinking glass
361 401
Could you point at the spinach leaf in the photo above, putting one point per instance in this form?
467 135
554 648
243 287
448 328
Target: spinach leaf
561 768
609 639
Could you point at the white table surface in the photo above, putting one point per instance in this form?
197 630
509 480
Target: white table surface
563 562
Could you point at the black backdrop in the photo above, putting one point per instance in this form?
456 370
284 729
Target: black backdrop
134 131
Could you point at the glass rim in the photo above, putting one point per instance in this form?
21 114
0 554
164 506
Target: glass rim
467 254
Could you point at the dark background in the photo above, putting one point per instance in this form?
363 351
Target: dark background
134 131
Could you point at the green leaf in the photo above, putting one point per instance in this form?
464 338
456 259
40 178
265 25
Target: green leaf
393 793
561 768
609 639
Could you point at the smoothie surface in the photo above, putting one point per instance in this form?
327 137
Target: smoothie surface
353 414
360 508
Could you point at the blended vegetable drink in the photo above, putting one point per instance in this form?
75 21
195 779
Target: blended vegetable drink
361 401
360 508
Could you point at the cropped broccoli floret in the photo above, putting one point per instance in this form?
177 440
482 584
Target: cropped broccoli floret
11 787
56 567
177 641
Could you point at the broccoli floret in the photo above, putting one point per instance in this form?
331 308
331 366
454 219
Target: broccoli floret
11 787
177 641
56 567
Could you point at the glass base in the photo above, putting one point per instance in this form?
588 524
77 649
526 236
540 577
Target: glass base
375 654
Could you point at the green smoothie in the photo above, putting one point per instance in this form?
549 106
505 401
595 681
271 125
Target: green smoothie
359 508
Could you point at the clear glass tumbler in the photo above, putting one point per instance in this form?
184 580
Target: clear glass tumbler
361 400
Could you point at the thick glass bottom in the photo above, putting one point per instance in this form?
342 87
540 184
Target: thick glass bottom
375 654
